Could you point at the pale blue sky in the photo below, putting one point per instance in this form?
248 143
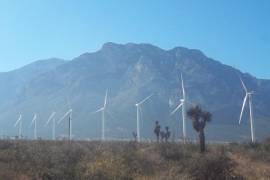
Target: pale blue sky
235 32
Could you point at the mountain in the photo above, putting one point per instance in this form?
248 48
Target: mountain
131 72
13 82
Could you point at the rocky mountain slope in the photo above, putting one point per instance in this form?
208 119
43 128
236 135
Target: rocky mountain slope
131 72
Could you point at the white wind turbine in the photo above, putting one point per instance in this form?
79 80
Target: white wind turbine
69 115
183 105
103 110
52 118
19 123
138 105
34 122
249 98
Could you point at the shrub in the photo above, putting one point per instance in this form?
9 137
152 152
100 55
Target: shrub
211 167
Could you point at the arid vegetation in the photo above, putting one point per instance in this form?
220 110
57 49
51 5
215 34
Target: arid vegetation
128 160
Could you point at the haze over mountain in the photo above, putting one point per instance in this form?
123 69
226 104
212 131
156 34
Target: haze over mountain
131 72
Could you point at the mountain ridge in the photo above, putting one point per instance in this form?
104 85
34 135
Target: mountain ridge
132 71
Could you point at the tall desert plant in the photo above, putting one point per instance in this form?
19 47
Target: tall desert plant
199 120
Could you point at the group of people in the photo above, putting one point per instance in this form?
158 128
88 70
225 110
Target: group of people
161 135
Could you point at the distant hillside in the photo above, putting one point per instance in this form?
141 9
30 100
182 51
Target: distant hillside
131 72
14 82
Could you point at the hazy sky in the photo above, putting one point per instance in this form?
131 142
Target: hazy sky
235 32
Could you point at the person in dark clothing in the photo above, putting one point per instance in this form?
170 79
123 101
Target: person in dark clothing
157 130
134 134
162 136
167 134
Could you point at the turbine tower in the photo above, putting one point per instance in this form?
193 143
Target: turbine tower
138 105
248 97
52 118
103 111
69 114
183 105
34 122
19 123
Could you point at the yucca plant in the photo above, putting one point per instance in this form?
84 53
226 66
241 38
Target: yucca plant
199 120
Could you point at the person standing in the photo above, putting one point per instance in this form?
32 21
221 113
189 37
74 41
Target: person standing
167 134
157 130
135 136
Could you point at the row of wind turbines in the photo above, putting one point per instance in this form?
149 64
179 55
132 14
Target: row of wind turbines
103 110
51 119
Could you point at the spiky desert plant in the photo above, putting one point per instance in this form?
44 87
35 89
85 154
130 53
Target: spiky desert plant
199 120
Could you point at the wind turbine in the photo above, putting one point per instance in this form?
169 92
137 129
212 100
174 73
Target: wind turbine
138 105
183 105
103 110
34 122
19 123
248 98
69 114
52 118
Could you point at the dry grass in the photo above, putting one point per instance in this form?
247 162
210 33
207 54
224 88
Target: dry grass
128 160
253 160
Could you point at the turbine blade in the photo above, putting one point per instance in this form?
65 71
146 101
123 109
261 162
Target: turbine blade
145 99
34 119
244 104
99 110
17 122
106 97
67 113
179 106
183 87
111 115
243 84
50 118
